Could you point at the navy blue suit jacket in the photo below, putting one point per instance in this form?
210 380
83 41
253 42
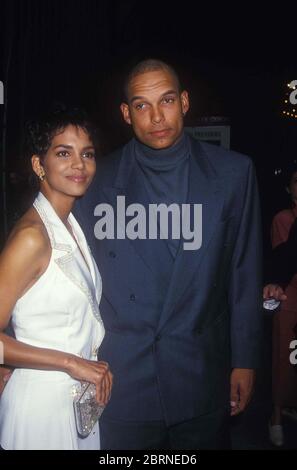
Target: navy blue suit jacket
171 347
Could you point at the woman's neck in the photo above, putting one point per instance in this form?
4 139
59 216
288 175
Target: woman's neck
61 203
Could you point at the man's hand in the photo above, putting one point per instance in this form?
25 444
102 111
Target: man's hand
5 374
242 384
275 291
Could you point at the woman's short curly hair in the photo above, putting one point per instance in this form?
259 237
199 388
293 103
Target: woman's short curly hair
40 132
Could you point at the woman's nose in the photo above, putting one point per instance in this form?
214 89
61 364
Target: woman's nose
77 162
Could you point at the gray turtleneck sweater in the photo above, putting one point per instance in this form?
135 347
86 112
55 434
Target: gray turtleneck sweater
165 175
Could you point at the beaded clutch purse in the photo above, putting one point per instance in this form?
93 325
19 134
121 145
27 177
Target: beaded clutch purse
86 409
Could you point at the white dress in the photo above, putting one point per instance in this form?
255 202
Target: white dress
60 311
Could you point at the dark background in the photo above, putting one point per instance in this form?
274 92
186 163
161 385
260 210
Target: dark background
234 60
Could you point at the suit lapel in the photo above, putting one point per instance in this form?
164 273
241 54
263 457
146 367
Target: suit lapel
154 253
204 190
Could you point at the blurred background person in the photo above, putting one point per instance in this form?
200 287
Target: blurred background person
284 376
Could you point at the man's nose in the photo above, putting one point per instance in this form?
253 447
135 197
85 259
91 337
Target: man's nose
157 115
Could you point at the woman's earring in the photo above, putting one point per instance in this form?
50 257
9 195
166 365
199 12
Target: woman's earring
41 175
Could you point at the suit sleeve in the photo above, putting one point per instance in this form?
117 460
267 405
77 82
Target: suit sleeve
245 290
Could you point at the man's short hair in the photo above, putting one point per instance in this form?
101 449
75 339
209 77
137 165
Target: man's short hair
149 65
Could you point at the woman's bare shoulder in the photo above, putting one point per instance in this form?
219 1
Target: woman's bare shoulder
24 258
29 233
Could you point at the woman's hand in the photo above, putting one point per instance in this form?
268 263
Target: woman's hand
95 372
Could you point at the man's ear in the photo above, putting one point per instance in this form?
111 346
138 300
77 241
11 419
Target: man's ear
126 113
184 97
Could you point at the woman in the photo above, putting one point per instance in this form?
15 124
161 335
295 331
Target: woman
51 288
284 376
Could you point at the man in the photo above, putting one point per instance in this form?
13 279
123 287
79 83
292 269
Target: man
182 324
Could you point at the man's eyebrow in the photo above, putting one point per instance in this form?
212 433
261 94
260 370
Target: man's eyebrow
168 92
135 98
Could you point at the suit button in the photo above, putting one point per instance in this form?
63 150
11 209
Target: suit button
112 254
132 297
